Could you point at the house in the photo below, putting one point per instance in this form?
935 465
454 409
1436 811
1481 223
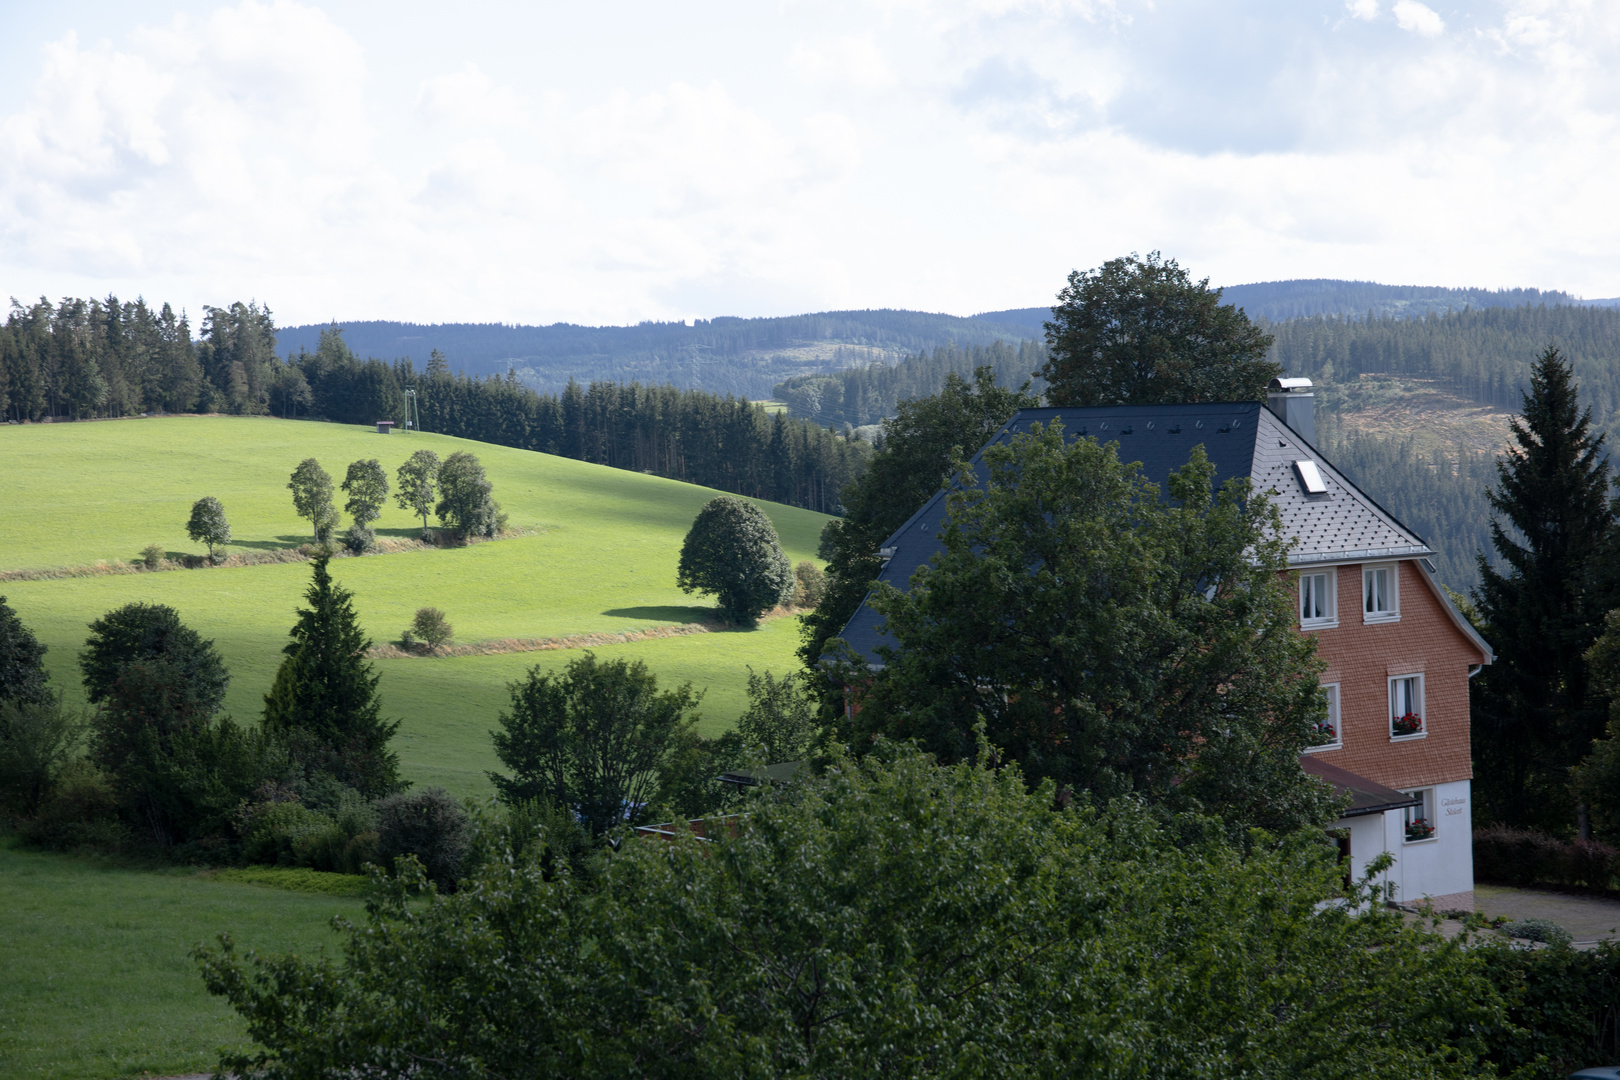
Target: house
1399 654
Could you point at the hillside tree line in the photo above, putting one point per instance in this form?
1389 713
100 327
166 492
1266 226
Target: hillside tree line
85 359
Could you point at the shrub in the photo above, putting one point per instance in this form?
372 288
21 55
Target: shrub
38 741
81 812
432 627
1543 930
812 585
275 831
428 824
153 556
1525 857
359 539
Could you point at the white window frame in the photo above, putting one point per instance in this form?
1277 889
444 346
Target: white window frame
1425 812
1421 710
1368 570
1335 720
1330 592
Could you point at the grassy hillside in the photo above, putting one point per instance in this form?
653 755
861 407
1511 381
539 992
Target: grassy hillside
98 977
599 556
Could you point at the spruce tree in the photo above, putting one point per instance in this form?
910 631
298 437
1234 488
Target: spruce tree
323 705
1535 713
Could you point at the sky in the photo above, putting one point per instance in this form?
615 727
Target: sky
618 161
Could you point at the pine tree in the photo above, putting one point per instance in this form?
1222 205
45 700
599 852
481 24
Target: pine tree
1534 713
323 705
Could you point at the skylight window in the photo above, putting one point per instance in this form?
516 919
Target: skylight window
1311 477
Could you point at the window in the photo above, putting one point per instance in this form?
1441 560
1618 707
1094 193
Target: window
1406 707
1318 603
1418 821
1311 477
1380 593
1329 731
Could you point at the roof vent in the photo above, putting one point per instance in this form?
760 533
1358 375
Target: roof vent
1295 405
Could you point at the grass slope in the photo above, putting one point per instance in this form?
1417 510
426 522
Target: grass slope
600 557
98 977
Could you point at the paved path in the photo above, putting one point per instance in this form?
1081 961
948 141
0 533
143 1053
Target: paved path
1590 918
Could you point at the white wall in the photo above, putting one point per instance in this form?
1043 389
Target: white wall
1436 867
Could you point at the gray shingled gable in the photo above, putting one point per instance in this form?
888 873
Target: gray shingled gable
1241 439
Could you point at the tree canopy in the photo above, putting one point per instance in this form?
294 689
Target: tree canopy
311 486
208 525
1140 331
152 632
23 677
465 504
418 484
594 738
732 551
1108 639
891 919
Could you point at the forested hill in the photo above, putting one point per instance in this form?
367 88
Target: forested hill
746 357
1276 301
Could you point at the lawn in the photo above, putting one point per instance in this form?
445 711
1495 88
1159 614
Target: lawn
599 555
98 980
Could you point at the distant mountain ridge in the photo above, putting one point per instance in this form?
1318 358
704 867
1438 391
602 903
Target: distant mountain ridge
746 357
1276 301
751 357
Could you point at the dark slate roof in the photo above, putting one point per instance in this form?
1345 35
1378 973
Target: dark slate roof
1366 797
1241 439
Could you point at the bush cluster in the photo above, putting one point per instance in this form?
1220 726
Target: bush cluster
1525 857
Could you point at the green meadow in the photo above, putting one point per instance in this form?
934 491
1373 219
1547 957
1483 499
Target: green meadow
597 555
99 980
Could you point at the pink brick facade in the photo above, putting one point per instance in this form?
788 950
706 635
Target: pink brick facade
1362 657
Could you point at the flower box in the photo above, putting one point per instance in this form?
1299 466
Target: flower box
1410 724
1419 829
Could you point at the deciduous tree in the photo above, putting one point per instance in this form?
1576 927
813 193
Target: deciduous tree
418 481
142 632
312 497
1110 640
732 552
465 505
23 677
208 524
894 918
595 737
1139 331
919 446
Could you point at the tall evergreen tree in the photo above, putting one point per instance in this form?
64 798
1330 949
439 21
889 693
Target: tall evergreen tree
323 705
1535 714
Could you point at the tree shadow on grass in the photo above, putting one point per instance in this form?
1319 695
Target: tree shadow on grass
280 543
674 613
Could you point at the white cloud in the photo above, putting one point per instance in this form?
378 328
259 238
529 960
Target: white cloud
1366 10
1418 18
947 157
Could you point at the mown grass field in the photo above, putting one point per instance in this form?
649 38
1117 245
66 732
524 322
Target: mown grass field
599 556
98 979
